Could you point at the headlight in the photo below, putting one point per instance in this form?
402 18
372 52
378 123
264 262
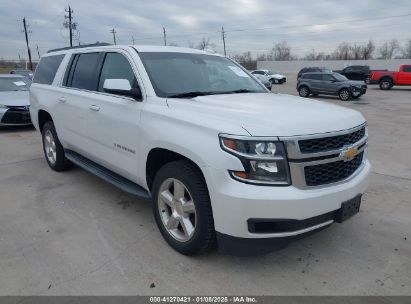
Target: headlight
264 161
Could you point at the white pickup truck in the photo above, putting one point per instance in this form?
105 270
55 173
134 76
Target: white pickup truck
223 160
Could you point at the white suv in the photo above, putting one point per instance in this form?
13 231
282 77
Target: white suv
222 159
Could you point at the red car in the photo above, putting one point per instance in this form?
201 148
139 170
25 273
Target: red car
387 79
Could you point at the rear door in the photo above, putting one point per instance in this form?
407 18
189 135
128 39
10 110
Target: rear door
316 83
78 98
404 76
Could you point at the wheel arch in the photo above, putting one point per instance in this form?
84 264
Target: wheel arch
43 117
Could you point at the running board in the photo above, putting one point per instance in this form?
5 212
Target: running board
107 175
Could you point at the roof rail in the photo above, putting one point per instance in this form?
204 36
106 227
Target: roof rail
79 46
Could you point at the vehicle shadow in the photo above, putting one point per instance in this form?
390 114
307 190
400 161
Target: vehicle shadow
11 129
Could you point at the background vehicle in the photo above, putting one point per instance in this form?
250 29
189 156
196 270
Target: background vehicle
14 100
27 73
312 69
330 84
356 72
387 79
196 134
273 77
264 80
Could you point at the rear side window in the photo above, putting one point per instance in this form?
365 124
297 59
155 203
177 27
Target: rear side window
313 76
47 69
407 68
83 71
116 66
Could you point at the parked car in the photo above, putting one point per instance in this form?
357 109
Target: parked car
329 83
311 70
27 73
356 72
273 77
387 79
264 80
219 156
14 100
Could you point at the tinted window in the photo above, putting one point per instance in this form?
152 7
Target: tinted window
116 66
407 68
84 75
313 76
47 69
327 77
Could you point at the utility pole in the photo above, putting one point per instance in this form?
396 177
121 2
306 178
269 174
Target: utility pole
38 52
223 36
27 43
132 39
113 31
164 36
70 23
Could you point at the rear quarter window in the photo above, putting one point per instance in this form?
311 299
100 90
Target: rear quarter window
47 69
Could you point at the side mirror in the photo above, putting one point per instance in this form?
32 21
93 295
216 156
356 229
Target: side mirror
121 87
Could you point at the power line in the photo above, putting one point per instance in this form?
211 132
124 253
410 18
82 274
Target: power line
27 42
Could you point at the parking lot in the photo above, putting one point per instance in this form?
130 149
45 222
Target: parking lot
73 234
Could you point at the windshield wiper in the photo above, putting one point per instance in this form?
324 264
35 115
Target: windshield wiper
191 94
239 91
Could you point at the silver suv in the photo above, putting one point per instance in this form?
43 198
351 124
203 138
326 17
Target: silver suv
329 83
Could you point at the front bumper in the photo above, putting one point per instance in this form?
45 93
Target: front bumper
15 116
235 203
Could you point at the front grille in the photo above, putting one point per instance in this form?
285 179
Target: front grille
328 173
16 116
324 144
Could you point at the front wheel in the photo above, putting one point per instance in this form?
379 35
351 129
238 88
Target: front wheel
344 94
182 208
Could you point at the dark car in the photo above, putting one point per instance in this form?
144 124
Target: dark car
312 69
330 83
356 72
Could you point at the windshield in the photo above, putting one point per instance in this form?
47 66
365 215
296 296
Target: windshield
14 84
271 73
339 77
178 74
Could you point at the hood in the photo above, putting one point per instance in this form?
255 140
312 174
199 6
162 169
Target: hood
356 83
15 98
269 114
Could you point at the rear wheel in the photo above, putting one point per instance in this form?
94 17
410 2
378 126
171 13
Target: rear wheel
53 150
304 91
344 94
182 208
386 84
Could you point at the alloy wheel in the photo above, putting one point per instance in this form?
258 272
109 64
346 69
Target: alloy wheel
50 147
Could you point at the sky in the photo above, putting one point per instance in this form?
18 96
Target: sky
250 25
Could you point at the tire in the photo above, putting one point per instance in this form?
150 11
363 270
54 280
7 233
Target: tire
344 94
386 83
52 148
191 228
304 91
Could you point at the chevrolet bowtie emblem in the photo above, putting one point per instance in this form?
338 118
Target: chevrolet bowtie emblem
348 153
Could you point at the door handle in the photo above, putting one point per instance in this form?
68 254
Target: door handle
94 108
62 99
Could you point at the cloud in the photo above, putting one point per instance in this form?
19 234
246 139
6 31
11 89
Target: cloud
250 24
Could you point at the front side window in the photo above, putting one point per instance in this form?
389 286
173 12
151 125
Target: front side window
47 69
8 84
116 66
173 74
84 73
407 68
328 77
339 77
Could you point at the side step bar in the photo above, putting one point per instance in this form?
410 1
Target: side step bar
107 175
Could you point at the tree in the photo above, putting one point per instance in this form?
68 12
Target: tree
356 51
343 52
389 49
367 50
204 44
281 51
172 44
313 55
246 60
406 50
